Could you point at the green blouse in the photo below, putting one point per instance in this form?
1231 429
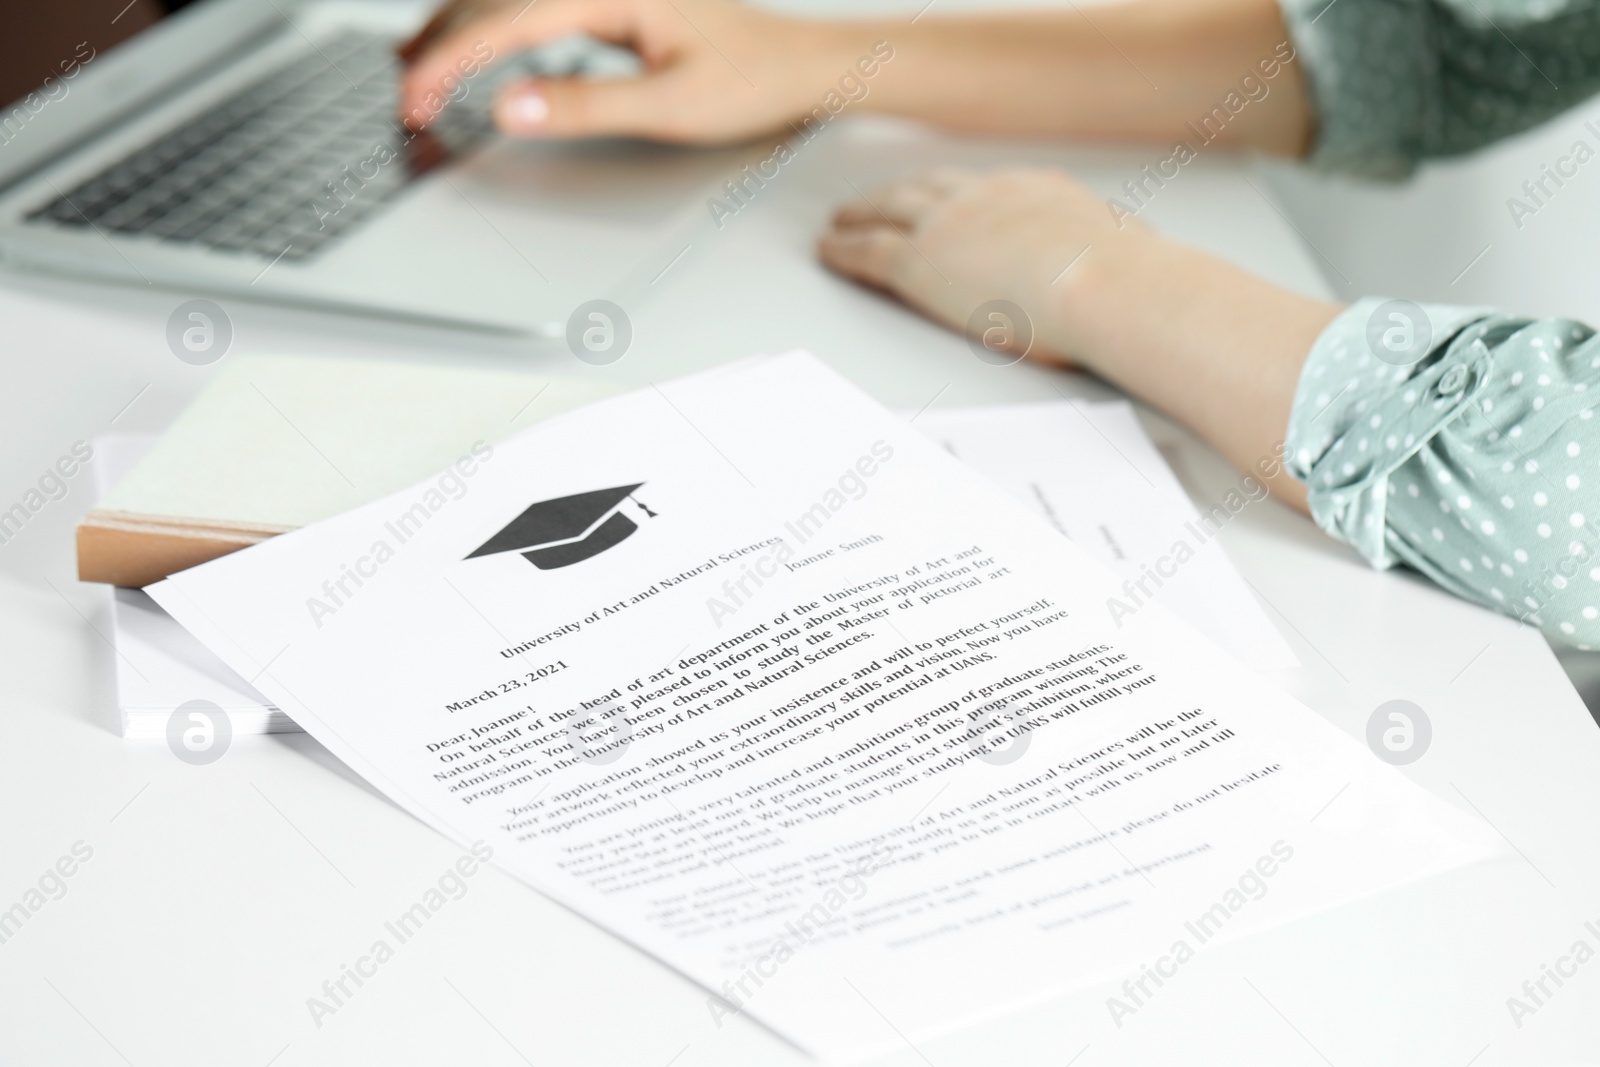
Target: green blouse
1393 82
1477 464
1459 442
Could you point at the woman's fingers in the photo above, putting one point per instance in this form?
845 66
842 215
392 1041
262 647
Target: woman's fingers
869 254
432 79
903 204
579 107
956 243
702 62
948 180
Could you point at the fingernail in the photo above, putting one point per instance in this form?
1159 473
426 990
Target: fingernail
526 110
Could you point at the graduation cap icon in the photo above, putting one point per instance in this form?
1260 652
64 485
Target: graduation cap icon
567 530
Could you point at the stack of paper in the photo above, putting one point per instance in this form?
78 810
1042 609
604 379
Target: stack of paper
749 672
1089 470
1095 476
275 443
159 664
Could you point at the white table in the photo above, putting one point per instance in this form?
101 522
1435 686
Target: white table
219 898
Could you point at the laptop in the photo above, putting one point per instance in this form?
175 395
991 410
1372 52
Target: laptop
251 148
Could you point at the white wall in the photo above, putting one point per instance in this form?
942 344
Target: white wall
1413 239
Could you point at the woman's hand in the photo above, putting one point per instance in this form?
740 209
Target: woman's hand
715 70
1212 346
721 70
949 241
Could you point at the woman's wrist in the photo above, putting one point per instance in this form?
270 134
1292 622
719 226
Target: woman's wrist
831 64
1099 294
1216 348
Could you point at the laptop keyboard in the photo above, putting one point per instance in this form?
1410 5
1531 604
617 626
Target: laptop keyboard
280 169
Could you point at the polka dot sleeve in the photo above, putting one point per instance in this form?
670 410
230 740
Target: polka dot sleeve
1396 81
1461 443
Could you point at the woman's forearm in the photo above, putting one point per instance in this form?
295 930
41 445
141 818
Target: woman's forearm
1195 71
1215 348
1212 346
1138 71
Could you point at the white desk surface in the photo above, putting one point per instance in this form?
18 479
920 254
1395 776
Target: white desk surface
219 898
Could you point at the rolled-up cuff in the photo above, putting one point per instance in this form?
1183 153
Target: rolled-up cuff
1380 382
1461 443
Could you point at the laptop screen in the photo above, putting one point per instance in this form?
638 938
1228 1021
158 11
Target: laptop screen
44 44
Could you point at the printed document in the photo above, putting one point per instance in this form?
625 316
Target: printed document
748 671
1095 475
1088 468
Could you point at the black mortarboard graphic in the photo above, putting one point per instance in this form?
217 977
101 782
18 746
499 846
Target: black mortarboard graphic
567 530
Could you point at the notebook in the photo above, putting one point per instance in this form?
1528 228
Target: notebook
159 665
275 443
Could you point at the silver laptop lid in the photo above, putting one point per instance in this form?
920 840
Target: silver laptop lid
69 68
